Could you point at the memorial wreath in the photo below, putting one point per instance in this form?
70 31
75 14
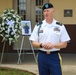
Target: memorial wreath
10 28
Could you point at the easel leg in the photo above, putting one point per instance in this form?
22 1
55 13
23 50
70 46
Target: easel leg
32 50
2 52
19 58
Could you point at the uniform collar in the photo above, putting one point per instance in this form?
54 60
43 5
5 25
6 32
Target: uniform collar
47 24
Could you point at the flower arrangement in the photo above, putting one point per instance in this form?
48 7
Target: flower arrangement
10 28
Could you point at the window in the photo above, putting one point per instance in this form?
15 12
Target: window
39 14
22 8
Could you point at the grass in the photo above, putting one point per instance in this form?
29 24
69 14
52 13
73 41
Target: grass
12 71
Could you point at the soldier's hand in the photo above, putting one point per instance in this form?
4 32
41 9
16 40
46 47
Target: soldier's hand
47 45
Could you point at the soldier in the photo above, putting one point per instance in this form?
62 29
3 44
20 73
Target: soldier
49 36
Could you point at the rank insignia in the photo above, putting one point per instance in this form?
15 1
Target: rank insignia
58 23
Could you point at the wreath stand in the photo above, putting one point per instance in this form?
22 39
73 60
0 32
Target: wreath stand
2 52
20 52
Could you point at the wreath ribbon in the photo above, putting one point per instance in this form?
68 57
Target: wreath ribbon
11 24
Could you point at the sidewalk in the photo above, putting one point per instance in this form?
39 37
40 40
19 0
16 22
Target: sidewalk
68 67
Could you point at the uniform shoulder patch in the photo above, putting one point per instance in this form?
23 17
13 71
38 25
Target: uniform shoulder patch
39 23
59 23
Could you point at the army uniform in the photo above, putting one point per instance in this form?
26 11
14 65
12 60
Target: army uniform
49 61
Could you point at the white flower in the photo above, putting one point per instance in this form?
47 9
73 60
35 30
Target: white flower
18 36
10 38
15 30
3 24
12 33
3 28
9 17
4 18
1 35
14 16
6 35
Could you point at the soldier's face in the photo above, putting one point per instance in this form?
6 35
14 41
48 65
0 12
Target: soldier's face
48 13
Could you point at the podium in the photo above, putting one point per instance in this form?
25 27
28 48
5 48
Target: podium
20 51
